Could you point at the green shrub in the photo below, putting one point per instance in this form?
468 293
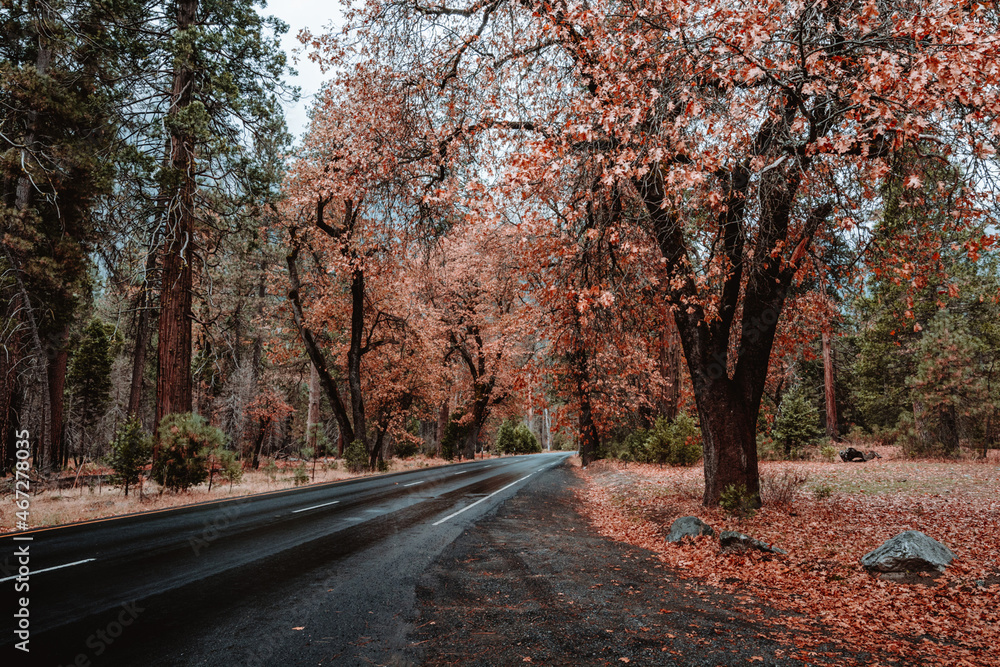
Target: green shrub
300 475
230 467
797 424
454 436
737 501
828 452
356 457
382 465
404 449
823 491
271 470
130 452
185 440
515 437
677 443
630 447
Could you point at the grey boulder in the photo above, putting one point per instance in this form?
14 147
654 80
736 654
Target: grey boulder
730 540
688 526
910 551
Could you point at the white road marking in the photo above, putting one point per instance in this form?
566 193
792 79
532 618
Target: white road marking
460 473
415 483
315 507
48 569
469 507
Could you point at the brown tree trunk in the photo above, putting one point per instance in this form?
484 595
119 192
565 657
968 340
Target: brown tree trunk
828 388
443 414
173 381
354 355
142 330
315 354
728 432
670 369
312 419
948 429
56 372
139 353
589 439
10 358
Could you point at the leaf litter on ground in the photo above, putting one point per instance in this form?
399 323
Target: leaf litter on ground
826 594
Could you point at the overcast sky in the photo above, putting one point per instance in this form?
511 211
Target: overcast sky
299 14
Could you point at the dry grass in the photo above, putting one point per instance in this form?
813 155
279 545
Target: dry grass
86 502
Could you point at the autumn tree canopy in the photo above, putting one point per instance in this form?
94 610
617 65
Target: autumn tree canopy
735 136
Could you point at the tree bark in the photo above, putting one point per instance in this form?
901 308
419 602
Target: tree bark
578 364
354 354
670 370
312 420
10 389
55 369
828 388
443 414
315 354
142 329
173 381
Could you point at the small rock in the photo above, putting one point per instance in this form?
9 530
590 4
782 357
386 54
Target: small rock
688 526
730 540
910 551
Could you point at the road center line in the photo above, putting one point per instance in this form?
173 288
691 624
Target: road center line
48 569
415 483
469 507
315 507
460 473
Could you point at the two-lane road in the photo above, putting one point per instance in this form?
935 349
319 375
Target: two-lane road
321 575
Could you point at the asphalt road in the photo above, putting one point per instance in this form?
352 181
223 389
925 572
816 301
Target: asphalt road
318 576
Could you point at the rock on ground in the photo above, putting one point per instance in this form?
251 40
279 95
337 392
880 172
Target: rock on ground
730 540
910 551
688 526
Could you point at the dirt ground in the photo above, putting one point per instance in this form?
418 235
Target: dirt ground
536 583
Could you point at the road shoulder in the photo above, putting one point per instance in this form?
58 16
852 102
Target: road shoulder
534 583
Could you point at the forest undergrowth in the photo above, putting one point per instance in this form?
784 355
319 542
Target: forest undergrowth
838 513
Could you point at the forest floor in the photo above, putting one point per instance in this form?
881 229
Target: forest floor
838 512
91 497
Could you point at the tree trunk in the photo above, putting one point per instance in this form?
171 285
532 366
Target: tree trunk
728 433
312 420
354 355
670 370
173 381
828 388
9 390
589 439
144 306
315 355
729 384
56 372
948 429
443 414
